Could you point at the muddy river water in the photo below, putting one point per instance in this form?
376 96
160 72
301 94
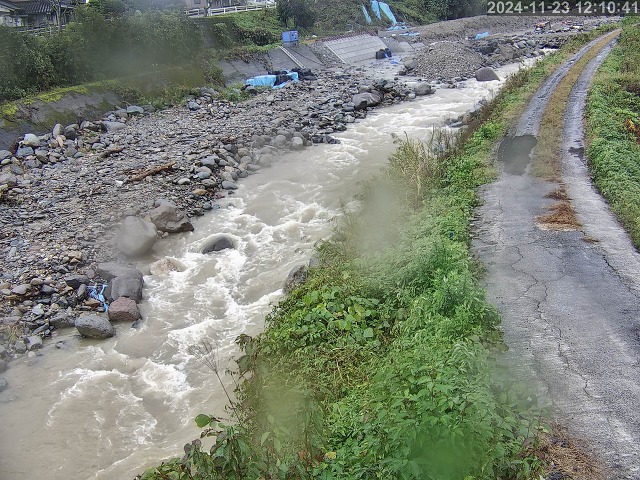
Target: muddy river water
106 409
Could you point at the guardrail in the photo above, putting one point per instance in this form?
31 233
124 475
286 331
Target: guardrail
201 12
48 30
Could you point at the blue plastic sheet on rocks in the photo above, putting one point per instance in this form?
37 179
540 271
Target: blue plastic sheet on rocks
99 295
481 35
270 80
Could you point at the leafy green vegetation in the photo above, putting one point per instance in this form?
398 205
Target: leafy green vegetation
613 129
381 365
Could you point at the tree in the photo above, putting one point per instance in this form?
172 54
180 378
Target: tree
297 10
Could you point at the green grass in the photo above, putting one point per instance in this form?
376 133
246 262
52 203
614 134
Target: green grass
613 114
382 364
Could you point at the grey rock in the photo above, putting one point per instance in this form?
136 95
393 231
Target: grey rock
297 143
31 140
57 130
34 342
24 152
167 218
126 286
3 384
166 265
193 105
486 74
136 237
3 366
184 181
221 242
366 99
38 310
229 185
62 320
422 89
20 289
297 276
111 127
94 326
20 346
8 179
4 154
124 309
135 110
111 270
74 281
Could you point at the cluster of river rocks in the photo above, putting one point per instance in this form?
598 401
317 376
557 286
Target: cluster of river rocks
80 203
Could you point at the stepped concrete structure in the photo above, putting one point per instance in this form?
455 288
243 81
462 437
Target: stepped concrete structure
356 49
286 58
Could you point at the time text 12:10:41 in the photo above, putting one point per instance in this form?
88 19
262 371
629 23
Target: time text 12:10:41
563 8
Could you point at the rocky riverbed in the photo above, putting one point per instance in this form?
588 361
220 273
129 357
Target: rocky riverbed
79 203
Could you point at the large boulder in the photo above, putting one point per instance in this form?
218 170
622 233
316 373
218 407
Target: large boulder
486 74
167 218
126 286
366 99
124 310
111 270
219 243
62 320
111 127
94 326
136 237
423 88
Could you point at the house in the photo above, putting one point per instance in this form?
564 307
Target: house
34 13
11 15
195 4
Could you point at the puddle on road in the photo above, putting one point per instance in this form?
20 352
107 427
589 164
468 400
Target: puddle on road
515 153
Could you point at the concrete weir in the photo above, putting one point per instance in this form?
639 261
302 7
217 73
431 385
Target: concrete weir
356 49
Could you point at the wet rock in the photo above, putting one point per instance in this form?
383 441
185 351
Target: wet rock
219 243
126 286
3 384
486 74
422 89
34 342
366 99
229 185
124 310
111 270
136 237
297 143
20 346
167 218
62 320
3 366
164 266
297 276
94 326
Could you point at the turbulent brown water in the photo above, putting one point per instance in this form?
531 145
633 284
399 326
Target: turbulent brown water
106 409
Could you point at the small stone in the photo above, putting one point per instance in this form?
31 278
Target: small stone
184 181
38 310
3 384
20 289
228 185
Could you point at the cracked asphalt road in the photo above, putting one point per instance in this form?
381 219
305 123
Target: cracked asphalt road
570 300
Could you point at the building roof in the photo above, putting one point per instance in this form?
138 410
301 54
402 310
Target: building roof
11 6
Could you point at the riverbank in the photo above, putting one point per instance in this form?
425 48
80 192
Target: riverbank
381 362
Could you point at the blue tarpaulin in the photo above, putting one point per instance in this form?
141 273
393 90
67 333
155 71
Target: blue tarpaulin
270 80
375 6
481 35
367 17
387 12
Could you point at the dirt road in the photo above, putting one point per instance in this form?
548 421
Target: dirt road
570 300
